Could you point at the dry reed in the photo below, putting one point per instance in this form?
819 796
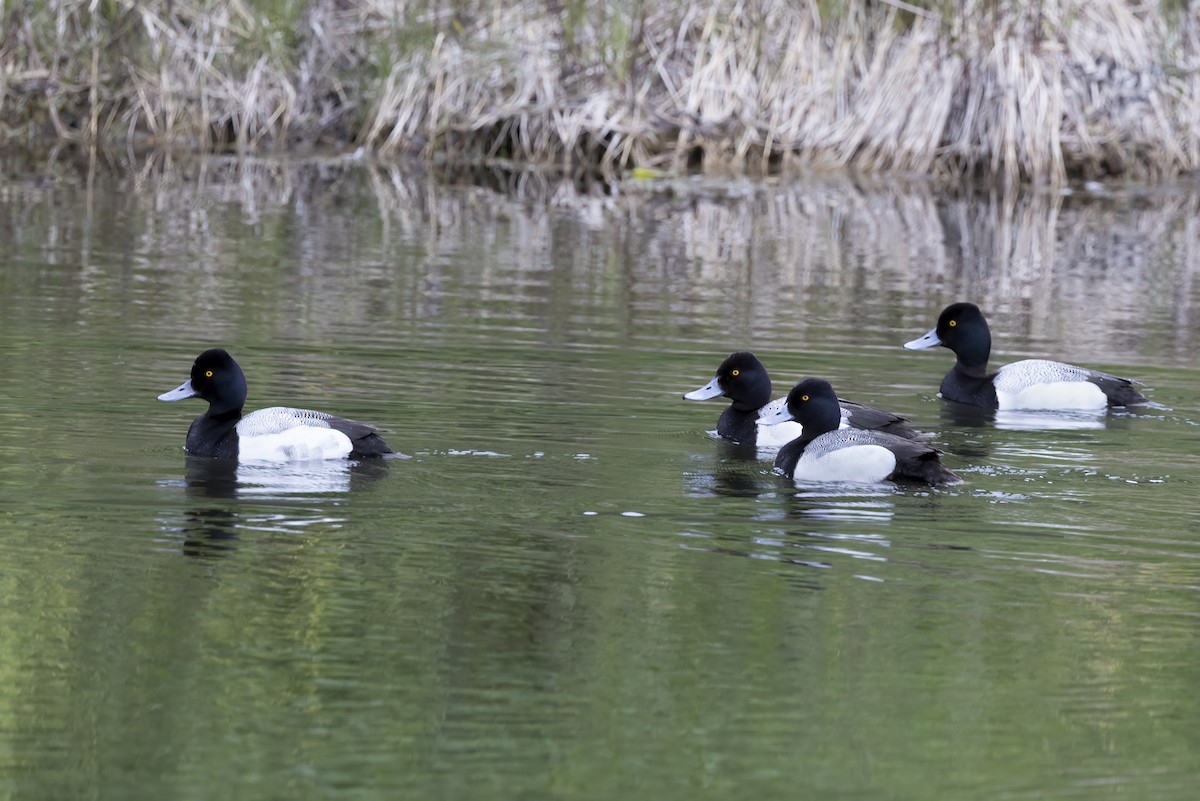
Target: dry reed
1035 92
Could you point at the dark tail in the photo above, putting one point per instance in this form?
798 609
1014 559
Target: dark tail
369 447
1125 396
936 474
928 469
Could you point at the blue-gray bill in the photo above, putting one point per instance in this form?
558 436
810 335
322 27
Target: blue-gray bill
774 413
710 390
927 341
180 392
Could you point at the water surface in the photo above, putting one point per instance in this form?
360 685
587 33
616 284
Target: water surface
570 590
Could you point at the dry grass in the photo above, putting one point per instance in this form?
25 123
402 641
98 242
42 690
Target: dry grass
1018 91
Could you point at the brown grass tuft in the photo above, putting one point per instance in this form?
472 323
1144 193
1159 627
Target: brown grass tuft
1020 92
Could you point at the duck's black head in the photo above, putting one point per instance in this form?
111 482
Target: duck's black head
962 328
814 405
216 378
741 378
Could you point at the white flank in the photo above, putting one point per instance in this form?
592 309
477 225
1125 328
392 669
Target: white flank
1043 384
777 436
863 464
280 434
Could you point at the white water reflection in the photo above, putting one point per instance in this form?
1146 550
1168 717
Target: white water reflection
303 477
961 415
224 478
297 497
1027 420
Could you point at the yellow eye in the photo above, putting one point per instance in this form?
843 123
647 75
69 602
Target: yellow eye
803 397
736 373
208 373
953 323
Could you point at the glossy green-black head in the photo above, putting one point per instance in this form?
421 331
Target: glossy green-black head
741 378
814 405
216 378
962 328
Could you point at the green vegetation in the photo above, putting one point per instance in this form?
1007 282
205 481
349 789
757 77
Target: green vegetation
1034 91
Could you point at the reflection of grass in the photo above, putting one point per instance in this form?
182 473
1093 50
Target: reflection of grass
1002 88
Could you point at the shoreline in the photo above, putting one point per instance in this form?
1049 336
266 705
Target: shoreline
999 92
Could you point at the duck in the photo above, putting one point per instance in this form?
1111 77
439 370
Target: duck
743 379
829 453
1029 384
274 434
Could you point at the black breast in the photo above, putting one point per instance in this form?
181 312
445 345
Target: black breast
211 436
975 390
738 425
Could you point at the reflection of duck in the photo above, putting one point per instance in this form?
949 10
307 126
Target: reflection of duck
827 453
213 529
1035 420
840 520
736 474
965 415
225 478
731 450
1025 384
967 430
210 532
743 379
210 478
278 433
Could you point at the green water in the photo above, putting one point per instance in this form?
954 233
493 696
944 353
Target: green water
570 590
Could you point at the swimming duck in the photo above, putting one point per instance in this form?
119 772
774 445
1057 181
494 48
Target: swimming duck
1025 384
743 379
278 433
828 453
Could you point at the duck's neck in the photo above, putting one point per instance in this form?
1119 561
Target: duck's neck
789 455
753 398
223 415
972 352
977 370
820 418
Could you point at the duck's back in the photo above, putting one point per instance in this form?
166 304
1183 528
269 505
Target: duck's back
859 415
1046 384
